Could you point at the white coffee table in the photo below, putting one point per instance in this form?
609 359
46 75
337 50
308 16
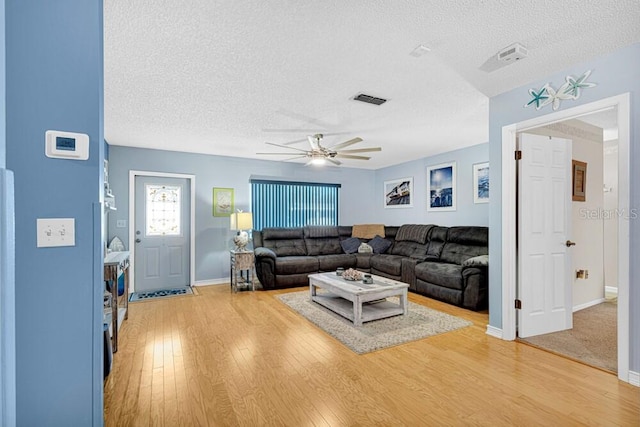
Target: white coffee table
357 301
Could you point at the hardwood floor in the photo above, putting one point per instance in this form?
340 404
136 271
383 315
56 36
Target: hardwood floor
246 359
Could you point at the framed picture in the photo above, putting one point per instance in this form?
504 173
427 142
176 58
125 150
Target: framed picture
222 201
579 193
441 187
398 193
481 183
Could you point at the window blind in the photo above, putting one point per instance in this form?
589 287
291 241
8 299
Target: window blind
293 204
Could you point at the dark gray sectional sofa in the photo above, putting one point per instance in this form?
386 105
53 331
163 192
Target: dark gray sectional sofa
445 263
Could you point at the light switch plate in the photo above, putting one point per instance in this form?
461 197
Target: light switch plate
54 232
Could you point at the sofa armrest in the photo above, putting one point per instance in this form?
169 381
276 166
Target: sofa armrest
408 271
263 252
476 262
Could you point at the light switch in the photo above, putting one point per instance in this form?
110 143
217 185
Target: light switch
56 232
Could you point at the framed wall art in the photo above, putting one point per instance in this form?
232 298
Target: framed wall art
579 193
481 183
441 187
222 201
398 193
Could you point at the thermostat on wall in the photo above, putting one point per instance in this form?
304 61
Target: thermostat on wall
66 145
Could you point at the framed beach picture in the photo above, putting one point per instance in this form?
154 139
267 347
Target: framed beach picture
222 201
441 187
481 183
398 193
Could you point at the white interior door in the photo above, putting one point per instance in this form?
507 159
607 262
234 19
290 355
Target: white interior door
162 221
544 232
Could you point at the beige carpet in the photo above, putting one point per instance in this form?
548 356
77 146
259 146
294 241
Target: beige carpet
421 322
593 339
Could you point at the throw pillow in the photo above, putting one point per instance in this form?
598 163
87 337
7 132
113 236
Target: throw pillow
379 245
350 245
365 249
477 261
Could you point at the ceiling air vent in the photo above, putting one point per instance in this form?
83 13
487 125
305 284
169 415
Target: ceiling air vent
369 99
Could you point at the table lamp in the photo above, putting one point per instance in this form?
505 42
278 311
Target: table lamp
241 221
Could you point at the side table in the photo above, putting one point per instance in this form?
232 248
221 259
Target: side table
242 261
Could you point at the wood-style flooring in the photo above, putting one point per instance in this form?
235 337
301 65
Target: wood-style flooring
246 359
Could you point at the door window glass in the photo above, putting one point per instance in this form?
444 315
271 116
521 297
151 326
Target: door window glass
163 210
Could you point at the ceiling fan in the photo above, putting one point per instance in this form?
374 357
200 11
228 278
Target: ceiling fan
319 154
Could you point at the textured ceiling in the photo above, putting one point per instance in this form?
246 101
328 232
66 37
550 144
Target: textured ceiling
223 77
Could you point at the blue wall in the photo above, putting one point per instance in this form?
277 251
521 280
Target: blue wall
361 194
466 213
614 74
54 81
213 237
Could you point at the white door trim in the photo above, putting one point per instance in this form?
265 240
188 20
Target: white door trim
132 208
509 203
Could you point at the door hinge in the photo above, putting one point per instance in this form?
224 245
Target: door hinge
518 304
518 154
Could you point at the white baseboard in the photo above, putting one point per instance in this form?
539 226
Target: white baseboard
611 289
634 378
588 304
494 332
223 281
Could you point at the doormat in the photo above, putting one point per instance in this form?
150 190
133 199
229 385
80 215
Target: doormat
421 322
161 293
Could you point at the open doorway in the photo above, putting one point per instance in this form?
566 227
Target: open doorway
591 337
508 262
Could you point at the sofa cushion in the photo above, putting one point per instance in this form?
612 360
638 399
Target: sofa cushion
350 245
379 245
389 264
367 231
413 233
437 238
442 274
296 265
409 249
316 231
464 243
284 241
332 262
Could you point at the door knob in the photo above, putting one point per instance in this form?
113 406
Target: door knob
569 243
138 241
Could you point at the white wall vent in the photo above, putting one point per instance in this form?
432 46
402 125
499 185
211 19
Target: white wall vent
514 52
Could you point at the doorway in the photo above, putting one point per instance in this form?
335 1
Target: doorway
161 212
509 227
589 332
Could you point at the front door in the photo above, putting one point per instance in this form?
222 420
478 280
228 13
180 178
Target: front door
544 231
161 233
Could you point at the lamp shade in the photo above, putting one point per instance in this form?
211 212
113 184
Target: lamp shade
241 221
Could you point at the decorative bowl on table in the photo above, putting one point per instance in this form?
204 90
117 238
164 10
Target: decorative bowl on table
352 275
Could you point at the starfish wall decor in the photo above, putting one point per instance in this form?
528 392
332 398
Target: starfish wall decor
569 90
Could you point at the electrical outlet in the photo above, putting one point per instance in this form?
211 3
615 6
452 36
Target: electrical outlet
121 223
54 232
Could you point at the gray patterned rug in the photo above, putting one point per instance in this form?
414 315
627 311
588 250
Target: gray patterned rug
161 293
421 322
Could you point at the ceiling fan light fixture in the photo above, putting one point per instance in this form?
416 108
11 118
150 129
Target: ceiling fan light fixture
318 161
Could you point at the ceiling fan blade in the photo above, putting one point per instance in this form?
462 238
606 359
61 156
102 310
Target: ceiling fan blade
349 156
346 144
282 154
293 158
295 142
285 146
334 161
314 144
362 150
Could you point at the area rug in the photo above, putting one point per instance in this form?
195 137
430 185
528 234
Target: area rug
593 339
421 322
161 293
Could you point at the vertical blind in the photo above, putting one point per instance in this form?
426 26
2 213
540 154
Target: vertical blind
293 204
